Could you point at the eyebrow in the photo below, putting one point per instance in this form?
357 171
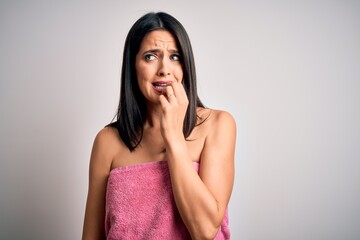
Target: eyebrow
158 50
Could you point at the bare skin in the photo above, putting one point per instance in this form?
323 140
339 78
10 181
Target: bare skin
201 198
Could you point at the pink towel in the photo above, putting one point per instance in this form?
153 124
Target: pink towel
140 205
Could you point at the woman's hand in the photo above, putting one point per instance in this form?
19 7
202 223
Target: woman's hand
201 197
174 104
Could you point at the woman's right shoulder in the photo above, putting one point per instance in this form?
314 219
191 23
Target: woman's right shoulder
110 137
108 142
107 134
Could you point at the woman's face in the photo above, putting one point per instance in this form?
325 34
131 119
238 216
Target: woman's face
157 64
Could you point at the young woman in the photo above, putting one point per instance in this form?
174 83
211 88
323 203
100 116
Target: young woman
165 168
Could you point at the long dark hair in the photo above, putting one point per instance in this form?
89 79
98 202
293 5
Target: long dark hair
131 112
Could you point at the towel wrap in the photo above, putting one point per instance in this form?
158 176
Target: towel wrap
140 205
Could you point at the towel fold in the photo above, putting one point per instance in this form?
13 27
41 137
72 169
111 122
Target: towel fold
140 205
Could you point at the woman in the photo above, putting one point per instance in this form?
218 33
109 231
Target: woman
165 168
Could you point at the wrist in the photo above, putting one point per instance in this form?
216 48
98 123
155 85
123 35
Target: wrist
175 142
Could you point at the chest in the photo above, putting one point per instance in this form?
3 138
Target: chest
152 149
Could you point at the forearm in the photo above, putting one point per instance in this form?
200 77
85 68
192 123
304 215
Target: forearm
198 207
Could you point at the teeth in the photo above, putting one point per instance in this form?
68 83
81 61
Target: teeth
160 85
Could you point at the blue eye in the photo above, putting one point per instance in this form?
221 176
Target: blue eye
149 57
175 57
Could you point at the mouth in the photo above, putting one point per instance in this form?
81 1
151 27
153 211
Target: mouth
160 86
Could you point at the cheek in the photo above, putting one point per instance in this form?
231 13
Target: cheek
180 75
140 73
143 73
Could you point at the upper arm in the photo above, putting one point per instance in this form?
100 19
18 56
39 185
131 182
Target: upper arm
217 158
100 163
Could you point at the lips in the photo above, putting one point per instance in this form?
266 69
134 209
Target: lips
159 86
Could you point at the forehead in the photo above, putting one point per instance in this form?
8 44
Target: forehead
158 38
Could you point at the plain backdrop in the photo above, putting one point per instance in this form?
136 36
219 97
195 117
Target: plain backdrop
288 71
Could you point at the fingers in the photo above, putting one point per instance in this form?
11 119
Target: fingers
175 92
163 101
179 91
170 94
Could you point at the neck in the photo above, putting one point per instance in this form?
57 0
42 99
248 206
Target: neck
153 114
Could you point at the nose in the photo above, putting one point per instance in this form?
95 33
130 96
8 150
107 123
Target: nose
164 68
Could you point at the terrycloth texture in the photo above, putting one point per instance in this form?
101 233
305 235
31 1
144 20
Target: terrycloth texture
140 205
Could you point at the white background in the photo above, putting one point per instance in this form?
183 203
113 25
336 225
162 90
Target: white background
288 71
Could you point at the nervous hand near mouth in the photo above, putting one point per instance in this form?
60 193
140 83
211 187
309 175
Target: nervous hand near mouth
174 107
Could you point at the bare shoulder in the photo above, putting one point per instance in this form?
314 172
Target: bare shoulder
218 152
106 137
216 120
106 145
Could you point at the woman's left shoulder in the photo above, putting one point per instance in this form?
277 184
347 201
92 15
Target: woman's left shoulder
216 117
218 128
